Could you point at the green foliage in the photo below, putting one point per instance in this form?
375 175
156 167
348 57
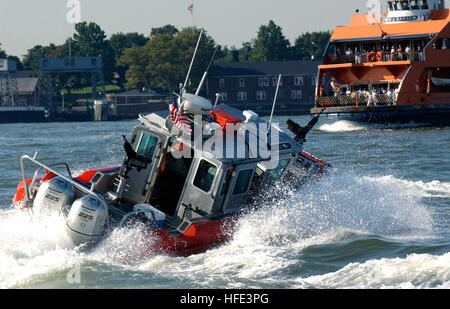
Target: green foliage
311 44
270 44
31 59
2 52
163 62
167 29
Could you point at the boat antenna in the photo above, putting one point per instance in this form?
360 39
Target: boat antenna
206 72
217 100
192 61
273 105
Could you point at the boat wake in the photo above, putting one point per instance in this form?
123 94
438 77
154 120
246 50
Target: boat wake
274 246
341 126
350 126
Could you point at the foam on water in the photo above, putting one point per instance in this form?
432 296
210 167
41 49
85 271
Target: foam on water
341 126
267 242
414 271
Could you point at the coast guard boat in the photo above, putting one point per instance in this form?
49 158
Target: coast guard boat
187 174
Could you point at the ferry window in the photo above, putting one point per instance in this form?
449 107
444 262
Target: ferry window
414 5
205 175
242 181
147 145
423 4
405 5
277 172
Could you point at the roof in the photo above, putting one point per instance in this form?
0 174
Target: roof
136 93
360 29
25 85
304 67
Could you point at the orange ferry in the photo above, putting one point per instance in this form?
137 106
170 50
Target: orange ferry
389 66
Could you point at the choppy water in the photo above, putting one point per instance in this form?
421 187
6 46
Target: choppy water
380 219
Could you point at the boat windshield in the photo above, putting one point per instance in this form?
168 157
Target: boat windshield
146 145
277 172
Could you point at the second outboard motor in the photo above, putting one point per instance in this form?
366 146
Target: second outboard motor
53 195
86 222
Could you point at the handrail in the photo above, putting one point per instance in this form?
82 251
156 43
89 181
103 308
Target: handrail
70 180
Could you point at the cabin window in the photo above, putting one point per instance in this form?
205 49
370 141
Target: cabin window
205 175
242 181
277 172
423 4
147 145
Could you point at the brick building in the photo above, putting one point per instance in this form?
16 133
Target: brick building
252 85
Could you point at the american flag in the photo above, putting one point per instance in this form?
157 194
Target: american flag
178 119
191 9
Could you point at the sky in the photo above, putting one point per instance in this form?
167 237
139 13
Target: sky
26 23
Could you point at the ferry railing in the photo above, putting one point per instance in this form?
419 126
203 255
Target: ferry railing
355 100
70 180
380 56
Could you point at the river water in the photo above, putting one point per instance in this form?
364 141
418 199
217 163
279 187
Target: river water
379 219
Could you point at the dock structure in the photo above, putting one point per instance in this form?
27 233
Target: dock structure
49 66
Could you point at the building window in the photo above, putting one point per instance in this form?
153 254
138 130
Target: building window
223 96
221 83
275 81
296 94
242 96
260 95
298 80
313 81
241 82
263 81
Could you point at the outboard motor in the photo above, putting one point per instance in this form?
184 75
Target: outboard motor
86 222
53 195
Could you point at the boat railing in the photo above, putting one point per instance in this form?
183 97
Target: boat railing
69 179
356 100
376 56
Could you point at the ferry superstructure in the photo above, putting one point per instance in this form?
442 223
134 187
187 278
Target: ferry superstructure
390 66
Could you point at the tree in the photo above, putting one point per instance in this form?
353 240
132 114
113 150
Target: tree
119 42
167 29
164 61
89 40
31 59
270 44
311 45
2 52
